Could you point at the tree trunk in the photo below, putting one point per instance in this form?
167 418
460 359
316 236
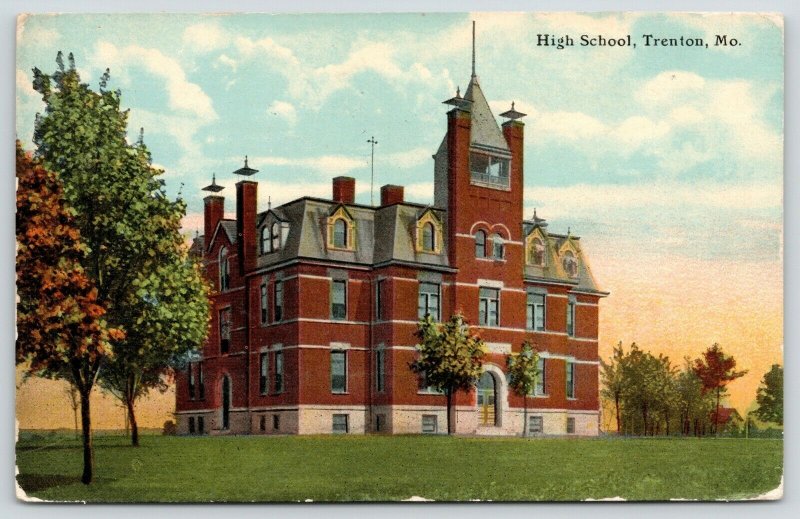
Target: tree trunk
619 422
644 418
449 404
129 403
75 415
716 416
525 417
86 422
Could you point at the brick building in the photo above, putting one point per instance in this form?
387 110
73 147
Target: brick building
316 301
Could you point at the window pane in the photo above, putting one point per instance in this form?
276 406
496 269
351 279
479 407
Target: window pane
278 300
263 381
540 380
429 425
340 233
480 244
338 372
380 369
278 371
340 423
478 163
339 300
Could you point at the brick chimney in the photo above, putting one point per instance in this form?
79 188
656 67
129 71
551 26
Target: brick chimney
246 196
344 190
214 209
391 194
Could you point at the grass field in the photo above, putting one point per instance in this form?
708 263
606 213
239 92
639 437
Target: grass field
383 468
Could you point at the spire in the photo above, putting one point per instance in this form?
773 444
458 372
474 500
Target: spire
473 48
213 187
246 170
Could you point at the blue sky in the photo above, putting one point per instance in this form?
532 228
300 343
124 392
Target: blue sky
667 161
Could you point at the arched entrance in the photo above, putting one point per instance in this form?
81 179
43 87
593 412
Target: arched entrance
226 402
487 400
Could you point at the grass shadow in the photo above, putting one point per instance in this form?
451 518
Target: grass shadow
38 482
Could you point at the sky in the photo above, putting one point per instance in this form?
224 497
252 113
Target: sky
667 161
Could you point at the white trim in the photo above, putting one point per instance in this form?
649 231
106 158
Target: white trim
490 283
560 296
577 303
583 339
498 347
339 345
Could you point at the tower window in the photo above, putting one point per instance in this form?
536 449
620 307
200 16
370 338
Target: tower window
489 170
498 246
224 270
537 253
275 237
570 263
480 244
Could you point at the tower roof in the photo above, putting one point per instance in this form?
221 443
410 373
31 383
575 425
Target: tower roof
485 130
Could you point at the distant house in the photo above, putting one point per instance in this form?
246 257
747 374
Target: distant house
727 418
316 301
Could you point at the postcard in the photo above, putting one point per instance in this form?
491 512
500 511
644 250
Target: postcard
399 257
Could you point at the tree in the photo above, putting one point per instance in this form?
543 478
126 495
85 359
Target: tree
715 370
523 372
613 381
449 357
136 257
60 328
770 396
74 402
694 404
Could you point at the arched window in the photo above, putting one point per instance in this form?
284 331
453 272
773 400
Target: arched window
275 237
570 264
264 240
428 237
480 244
340 233
498 246
224 270
537 252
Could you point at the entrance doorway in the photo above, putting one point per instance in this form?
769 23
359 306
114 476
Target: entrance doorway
487 400
226 403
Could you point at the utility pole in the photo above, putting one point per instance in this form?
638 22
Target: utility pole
373 142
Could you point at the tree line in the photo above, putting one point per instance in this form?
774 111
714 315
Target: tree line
108 294
651 396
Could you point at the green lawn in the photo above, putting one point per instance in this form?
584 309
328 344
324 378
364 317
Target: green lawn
385 468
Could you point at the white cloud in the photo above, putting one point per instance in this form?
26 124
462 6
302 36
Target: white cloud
284 110
670 86
325 164
205 37
226 60
37 35
25 84
184 96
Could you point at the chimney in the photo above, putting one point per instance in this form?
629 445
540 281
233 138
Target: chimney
246 195
212 214
344 190
391 194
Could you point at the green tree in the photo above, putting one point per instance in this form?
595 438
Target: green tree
694 404
611 378
716 370
449 357
61 332
645 390
770 396
523 372
136 257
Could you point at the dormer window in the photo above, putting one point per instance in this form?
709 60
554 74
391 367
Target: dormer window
480 244
340 232
428 233
428 237
570 263
275 237
224 270
264 240
536 252
498 246
489 170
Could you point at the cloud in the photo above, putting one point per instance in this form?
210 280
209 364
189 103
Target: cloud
325 164
205 37
184 96
226 60
284 110
37 35
25 84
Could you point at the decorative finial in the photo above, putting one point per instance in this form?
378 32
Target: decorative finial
213 187
246 170
458 91
534 213
512 105
569 231
473 48
269 202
